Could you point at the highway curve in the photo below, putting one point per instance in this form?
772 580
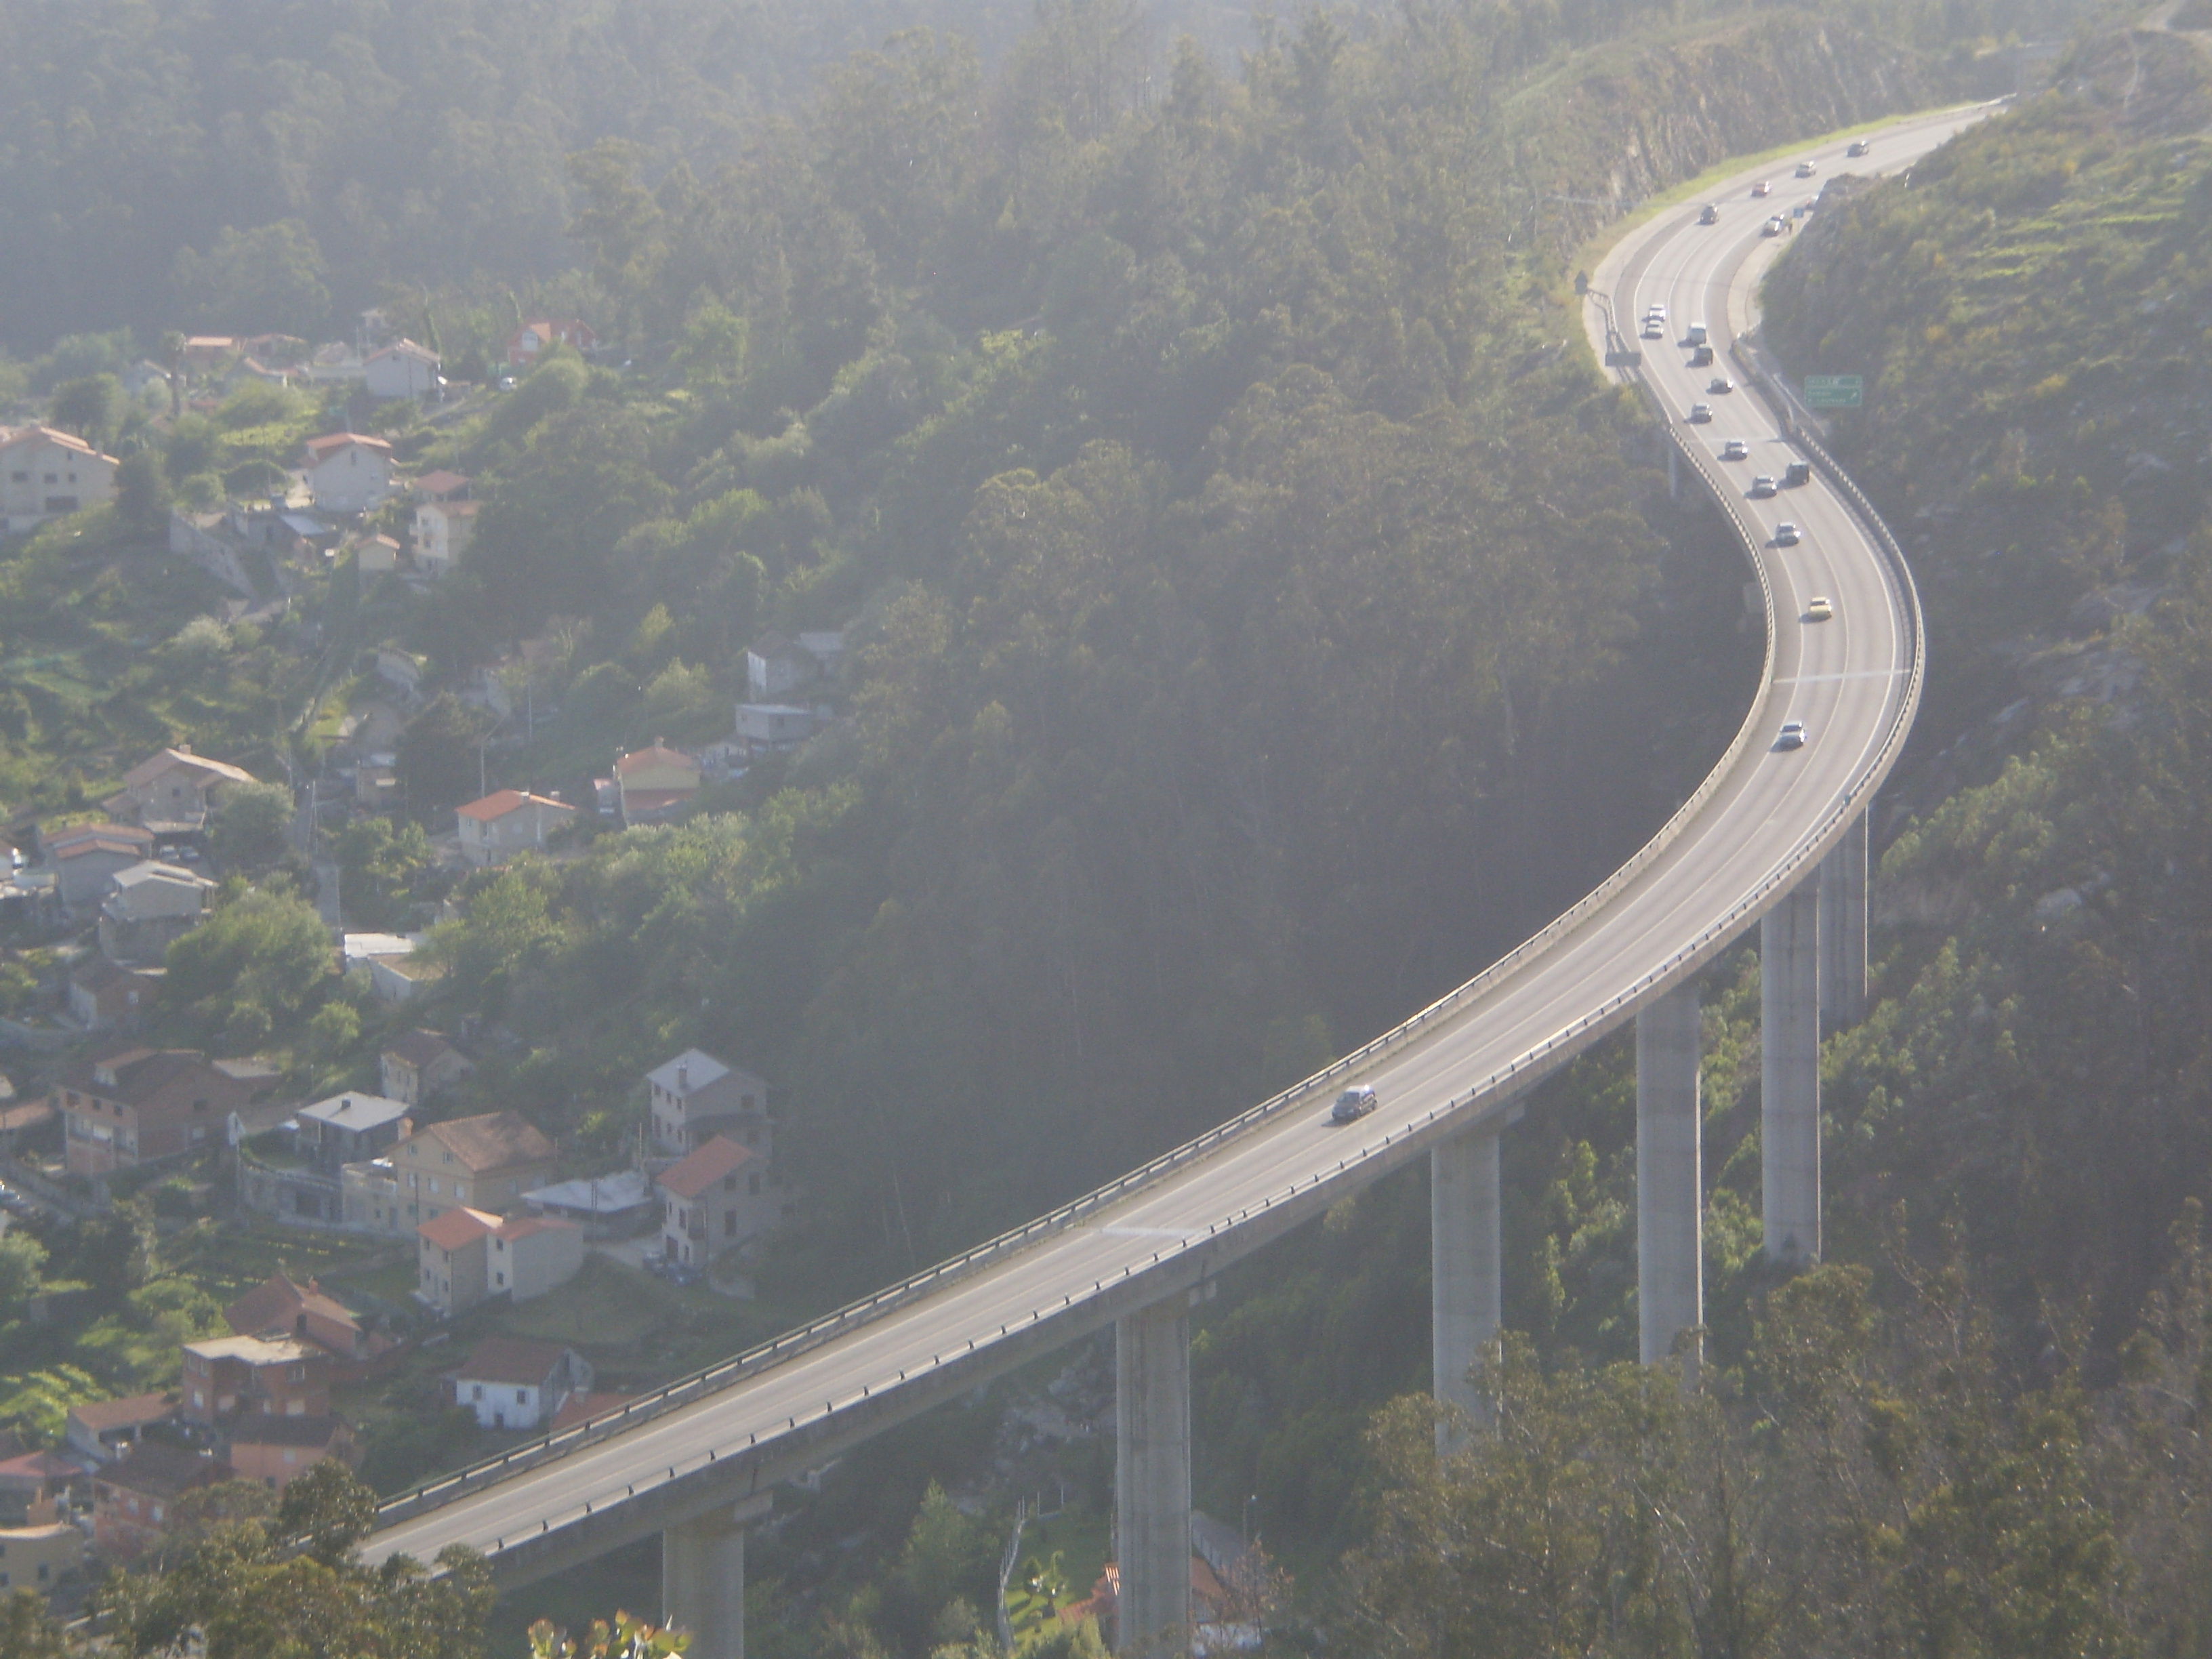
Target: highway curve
1756 827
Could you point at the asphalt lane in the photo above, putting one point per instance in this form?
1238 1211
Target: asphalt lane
1845 678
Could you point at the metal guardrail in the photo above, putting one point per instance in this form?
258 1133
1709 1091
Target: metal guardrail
1519 1073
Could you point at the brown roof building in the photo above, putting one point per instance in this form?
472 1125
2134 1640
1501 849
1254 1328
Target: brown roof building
487 1162
141 1104
104 1429
132 1496
715 1200
172 792
277 1450
417 1065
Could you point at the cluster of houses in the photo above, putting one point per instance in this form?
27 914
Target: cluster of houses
258 1406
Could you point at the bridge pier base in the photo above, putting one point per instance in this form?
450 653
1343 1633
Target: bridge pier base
1843 929
1465 1253
703 1579
1790 1077
1152 1479
1670 1281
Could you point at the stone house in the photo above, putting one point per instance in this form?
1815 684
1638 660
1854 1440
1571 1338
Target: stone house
86 860
106 996
172 792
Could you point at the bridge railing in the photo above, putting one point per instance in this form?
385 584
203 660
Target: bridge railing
1521 1073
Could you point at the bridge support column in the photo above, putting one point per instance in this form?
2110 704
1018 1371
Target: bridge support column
703 1579
1152 1479
1843 929
1465 1253
1790 1077
1670 1281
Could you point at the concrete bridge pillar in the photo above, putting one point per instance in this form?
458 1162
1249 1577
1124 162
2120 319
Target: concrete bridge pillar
703 1579
1670 1280
1465 1253
1152 1479
1843 929
1790 1077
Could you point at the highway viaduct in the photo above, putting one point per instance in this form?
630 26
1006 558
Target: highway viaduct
1772 837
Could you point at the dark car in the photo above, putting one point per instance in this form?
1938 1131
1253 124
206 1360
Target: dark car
1353 1104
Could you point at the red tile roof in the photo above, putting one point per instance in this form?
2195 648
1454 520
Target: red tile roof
721 1155
330 443
458 1227
500 802
655 753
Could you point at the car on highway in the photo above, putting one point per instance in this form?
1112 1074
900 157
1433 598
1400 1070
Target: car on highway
1711 215
1654 329
1859 146
1721 386
1763 485
1806 169
1353 1104
1792 735
1785 534
1798 472
1762 189
1701 356
1700 413
1819 609
1736 449
1774 226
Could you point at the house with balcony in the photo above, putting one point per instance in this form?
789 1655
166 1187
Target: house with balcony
139 1105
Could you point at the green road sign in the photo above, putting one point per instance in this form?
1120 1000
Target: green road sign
1834 391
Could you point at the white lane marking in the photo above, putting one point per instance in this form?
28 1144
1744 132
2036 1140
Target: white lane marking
1852 674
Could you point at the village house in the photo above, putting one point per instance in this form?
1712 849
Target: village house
85 858
36 1487
417 1066
104 1429
140 1105
131 1498
105 996
172 792
282 1307
402 370
696 1097
149 906
349 1127
284 1377
508 822
349 472
375 555
466 1256
46 474
775 665
529 342
205 351
38 1558
655 783
443 530
772 728
277 1450
442 485
487 1162
715 1200
510 1382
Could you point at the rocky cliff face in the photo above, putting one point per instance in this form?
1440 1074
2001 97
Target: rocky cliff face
1631 121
